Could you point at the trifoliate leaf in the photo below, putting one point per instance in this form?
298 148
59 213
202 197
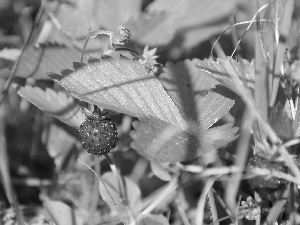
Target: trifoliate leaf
110 194
166 143
243 84
57 104
122 85
198 96
37 61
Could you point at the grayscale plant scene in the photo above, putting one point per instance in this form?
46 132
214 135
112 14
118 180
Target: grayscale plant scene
149 112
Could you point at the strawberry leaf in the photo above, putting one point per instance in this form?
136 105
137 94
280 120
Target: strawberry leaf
198 96
57 104
166 143
37 61
122 85
243 85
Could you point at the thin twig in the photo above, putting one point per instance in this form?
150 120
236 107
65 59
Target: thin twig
251 22
16 65
120 181
103 185
181 211
213 207
201 202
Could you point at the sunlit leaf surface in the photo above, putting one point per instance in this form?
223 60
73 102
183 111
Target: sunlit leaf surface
121 85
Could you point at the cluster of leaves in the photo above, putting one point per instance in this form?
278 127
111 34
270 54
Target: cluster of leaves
176 119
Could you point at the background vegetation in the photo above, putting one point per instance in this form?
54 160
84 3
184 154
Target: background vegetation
204 95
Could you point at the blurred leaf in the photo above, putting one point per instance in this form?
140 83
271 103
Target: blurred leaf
57 104
163 142
189 21
198 96
133 194
192 21
266 31
150 28
7 60
10 54
295 71
59 145
151 219
37 61
159 171
121 85
294 39
76 17
61 213
281 122
217 69
113 13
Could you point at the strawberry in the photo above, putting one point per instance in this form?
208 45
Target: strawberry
98 136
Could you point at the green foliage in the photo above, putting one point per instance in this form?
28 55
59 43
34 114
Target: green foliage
193 133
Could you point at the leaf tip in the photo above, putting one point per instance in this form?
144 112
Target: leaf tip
92 59
54 76
78 65
66 72
105 57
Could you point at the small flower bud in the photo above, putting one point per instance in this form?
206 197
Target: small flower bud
120 36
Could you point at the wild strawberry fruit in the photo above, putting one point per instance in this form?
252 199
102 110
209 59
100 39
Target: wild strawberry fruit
98 136
268 182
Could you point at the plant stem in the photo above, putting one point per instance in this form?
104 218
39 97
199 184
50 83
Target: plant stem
120 180
37 19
